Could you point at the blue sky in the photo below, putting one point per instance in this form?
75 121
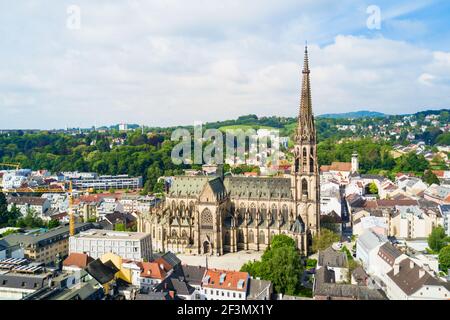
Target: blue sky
174 62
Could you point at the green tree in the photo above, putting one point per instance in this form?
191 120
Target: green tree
412 162
8 218
53 223
281 264
430 178
30 220
444 258
324 239
159 187
373 189
119 227
444 139
437 239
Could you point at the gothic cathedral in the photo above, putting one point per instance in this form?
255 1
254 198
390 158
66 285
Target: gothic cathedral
215 214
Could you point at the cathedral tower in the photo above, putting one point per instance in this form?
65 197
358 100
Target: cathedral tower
305 173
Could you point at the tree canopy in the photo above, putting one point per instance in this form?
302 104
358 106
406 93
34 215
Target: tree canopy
437 239
324 239
7 217
444 258
281 264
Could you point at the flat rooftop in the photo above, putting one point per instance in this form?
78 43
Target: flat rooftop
109 234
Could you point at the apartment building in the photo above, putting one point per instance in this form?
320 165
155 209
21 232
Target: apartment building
44 247
225 285
128 245
37 204
108 182
414 222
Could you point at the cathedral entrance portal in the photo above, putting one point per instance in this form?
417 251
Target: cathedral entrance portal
206 247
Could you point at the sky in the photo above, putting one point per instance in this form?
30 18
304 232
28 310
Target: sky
83 63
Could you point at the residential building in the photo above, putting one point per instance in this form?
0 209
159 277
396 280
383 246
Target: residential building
76 261
445 213
336 261
38 205
408 281
414 222
46 246
330 198
128 245
368 243
438 194
225 285
374 223
19 278
71 285
259 289
10 250
326 288
108 182
105 274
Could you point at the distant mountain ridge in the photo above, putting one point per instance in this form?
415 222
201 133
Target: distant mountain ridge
354 115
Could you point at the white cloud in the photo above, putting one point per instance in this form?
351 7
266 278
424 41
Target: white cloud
426 79
165 63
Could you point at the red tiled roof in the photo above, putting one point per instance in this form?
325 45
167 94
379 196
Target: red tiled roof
59 215
166 265
80 260
438 173
370 204
251 174
152 270
393 203
337 166
230 282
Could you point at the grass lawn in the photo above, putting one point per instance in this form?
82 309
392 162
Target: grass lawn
245 127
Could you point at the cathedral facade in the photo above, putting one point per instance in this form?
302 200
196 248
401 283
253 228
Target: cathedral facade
215 214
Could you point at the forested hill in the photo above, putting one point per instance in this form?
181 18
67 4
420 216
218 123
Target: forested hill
354 115
148 153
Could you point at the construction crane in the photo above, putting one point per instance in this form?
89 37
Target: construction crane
48 190
14 165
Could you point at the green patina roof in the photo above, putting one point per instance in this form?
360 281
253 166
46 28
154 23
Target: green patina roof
259 187
251 187
192 186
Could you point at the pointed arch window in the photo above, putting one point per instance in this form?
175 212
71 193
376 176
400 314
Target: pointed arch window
305 187
253 212
262 237
240 236
274 212
263 212
285 213
227 238
305 158
251 237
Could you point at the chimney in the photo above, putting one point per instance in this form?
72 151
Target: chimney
172 294
396 269
411 264
421 272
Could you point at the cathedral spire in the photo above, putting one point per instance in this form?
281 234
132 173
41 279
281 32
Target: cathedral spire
306 131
